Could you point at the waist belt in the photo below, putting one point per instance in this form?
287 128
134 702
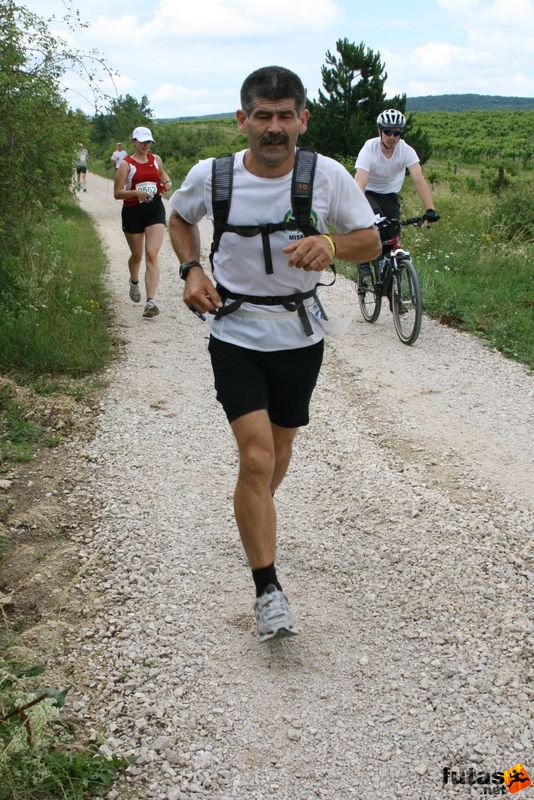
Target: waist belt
291 302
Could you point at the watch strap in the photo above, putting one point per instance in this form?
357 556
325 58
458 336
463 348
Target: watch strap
186 266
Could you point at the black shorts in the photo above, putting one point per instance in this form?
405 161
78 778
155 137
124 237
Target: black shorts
387 205
281 382
79 170
136 218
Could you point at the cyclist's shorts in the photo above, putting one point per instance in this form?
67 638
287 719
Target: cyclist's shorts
136 218
388 206
281 382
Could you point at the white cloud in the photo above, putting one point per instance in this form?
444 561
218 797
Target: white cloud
435 55
220 19
490 62
173 100
515 12
484 16
487 48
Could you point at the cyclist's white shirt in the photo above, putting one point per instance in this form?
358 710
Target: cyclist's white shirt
239 264
385 174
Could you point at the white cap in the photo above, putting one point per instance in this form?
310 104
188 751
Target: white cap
142 135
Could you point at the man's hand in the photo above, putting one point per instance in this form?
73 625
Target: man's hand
312 253
199 293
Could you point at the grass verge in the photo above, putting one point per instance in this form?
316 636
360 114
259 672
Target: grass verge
41 757
55 338
56 319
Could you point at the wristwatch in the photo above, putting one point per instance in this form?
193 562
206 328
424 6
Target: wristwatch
186 266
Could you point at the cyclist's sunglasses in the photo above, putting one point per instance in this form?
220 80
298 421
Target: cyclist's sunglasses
391 133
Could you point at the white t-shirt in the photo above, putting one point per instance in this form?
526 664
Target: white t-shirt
239 263
385 174
117 157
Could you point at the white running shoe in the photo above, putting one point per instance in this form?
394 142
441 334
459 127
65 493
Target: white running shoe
150 309
273 617
135 292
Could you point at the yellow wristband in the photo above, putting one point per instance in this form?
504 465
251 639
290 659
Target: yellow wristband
330 242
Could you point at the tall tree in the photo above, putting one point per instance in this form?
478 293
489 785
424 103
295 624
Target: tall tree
123 115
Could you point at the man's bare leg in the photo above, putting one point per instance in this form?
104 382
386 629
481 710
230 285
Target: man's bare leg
283 450
264 456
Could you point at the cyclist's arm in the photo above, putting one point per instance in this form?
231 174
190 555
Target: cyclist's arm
421 186
361 178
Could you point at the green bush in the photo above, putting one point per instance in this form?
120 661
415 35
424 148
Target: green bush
513 214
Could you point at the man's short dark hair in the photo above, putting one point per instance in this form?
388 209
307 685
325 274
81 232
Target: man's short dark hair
272 83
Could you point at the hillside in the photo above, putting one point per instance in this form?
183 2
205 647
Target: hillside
440 102
468 102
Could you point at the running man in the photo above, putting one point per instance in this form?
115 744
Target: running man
81 168
266 347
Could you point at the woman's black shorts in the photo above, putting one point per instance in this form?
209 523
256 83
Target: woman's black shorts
281 382
136 218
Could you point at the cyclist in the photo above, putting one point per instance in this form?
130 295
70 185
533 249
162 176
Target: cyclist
381 168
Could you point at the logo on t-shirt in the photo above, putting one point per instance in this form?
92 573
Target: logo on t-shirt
290 217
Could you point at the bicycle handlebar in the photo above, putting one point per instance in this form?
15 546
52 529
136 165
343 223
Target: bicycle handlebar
402 222
413 221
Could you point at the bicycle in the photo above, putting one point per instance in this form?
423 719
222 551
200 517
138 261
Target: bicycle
393 275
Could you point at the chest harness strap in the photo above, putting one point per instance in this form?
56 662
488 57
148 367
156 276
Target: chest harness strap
301 203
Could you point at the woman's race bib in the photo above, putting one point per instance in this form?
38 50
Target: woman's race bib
149 187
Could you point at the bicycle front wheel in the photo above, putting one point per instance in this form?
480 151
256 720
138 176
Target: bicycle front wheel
407 305
369 295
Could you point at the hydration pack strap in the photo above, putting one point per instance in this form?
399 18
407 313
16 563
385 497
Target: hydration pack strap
302 188
291 302
222 178
301 200
264 231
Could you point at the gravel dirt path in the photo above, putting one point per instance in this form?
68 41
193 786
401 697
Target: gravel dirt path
405 524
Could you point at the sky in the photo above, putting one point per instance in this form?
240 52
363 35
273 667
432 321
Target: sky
189 57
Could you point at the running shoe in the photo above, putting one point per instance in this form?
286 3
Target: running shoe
150 309
273 617
135 292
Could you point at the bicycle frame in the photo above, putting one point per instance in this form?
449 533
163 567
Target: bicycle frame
393 275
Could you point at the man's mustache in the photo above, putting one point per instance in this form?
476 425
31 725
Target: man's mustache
274 138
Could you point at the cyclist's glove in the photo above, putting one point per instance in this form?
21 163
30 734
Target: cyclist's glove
431 215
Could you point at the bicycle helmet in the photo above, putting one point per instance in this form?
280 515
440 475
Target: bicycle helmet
391 118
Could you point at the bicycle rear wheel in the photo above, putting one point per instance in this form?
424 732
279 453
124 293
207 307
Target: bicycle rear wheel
407 305
369 295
